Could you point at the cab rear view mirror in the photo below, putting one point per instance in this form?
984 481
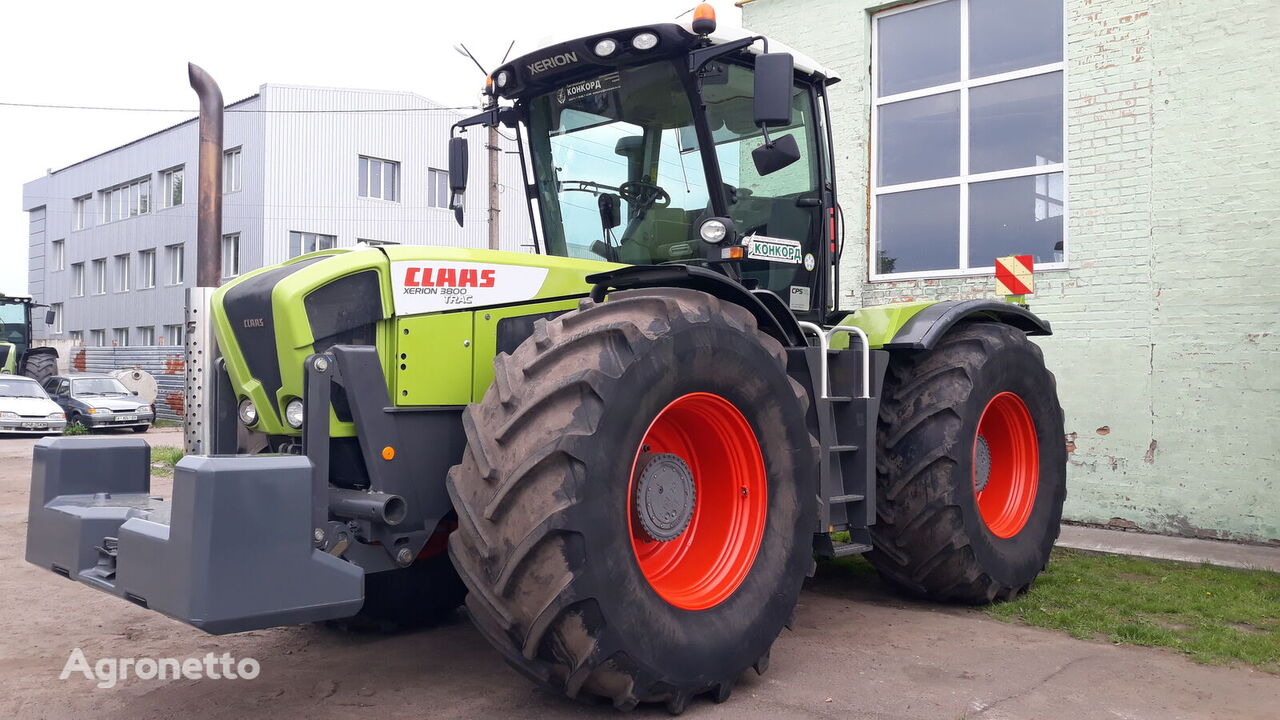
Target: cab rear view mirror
458 158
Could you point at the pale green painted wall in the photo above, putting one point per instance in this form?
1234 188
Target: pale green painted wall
1167 349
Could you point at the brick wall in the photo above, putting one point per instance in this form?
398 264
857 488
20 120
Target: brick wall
1167 344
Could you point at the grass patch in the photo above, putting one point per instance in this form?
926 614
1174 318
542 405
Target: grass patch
1213 615
164 458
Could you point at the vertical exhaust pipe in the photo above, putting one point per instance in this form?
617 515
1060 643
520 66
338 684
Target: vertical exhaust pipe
203 378
209 188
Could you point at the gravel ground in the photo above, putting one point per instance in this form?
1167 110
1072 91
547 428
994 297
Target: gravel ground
856 651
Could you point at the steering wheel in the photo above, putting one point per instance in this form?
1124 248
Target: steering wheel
643 194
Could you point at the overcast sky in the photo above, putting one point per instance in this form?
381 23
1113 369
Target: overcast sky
134 55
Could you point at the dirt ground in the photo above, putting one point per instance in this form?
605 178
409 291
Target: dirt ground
856 651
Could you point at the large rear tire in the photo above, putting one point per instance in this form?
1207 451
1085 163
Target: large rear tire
40 366
971 467
556 540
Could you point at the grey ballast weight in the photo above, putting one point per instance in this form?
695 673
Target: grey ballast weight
232 552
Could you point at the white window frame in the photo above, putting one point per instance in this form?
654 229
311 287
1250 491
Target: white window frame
80 211
166 187
122 272
100 276
230 241
965 179
126 199
77 279
146 269
174 335
315 238
437 177
146 335
99 337
364 181
58 253
120 337
232 161
57 317
175 270
77 337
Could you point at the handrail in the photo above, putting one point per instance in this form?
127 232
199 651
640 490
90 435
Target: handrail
824 344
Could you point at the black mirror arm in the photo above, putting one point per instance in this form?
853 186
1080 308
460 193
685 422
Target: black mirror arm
701 56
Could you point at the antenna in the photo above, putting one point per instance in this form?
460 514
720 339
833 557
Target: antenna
507 54
462 50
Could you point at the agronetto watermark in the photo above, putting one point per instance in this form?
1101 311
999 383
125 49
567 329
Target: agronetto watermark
110 671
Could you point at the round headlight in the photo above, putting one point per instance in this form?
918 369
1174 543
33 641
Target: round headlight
606 47
644 41
502 79
713 231
248 412
293 413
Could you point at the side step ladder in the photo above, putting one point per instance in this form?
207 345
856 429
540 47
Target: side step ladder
846 389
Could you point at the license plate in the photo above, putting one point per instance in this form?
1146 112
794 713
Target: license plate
126 418
760 247
34 426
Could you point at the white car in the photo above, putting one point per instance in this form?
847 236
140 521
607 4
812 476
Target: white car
26 408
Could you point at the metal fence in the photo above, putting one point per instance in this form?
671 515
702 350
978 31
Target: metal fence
165 362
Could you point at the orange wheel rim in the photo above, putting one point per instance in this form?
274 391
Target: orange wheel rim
713 553
1006 465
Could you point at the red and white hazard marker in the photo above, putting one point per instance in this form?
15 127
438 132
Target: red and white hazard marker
1013 275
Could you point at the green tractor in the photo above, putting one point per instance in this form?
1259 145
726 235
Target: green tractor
17 355
624 451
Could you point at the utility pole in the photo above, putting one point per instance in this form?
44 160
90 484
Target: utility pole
494 152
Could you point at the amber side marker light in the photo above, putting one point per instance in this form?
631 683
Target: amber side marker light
388 453
704 19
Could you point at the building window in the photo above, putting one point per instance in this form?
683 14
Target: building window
79 212
57 317
174 255
99 276
231 170
146 335
146 269
437 188
77 337
98 338
230 255
379 178
122 273
77 280
128 200
57 253
120 337
171 187
967 137
174 334
301 243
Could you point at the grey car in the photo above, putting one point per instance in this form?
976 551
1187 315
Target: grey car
99 401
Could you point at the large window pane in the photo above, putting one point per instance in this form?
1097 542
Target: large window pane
918 230
918 48
1006 36
1018 216
919 139
1016 124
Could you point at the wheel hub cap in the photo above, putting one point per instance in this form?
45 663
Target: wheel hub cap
665 496
981 464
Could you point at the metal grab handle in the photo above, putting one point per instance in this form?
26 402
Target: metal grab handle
824 343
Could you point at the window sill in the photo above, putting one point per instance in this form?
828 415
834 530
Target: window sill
965 273
378 199
171 207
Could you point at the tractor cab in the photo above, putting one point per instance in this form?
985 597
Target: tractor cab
16 352
671 144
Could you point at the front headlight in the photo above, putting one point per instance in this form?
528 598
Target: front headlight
8 416
644 41
98 411
293 413
248 412
57 416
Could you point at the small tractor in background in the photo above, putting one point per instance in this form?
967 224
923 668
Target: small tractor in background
17 355
624 451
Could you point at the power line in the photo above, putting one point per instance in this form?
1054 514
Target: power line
233 110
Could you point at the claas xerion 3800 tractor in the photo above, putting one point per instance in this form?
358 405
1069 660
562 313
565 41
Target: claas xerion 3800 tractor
624 451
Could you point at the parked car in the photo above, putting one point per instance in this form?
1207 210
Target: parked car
100 401
26 408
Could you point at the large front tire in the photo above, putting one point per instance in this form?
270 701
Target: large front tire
971 467
565 580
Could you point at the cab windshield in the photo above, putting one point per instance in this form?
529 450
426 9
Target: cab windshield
629 138
13 324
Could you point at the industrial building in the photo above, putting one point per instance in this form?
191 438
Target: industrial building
1130 147
112 237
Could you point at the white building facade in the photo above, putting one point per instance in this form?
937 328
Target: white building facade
112 238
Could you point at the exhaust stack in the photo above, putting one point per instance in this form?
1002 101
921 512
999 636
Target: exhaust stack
209 188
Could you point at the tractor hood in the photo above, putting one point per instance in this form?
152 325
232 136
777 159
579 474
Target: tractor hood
268 321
